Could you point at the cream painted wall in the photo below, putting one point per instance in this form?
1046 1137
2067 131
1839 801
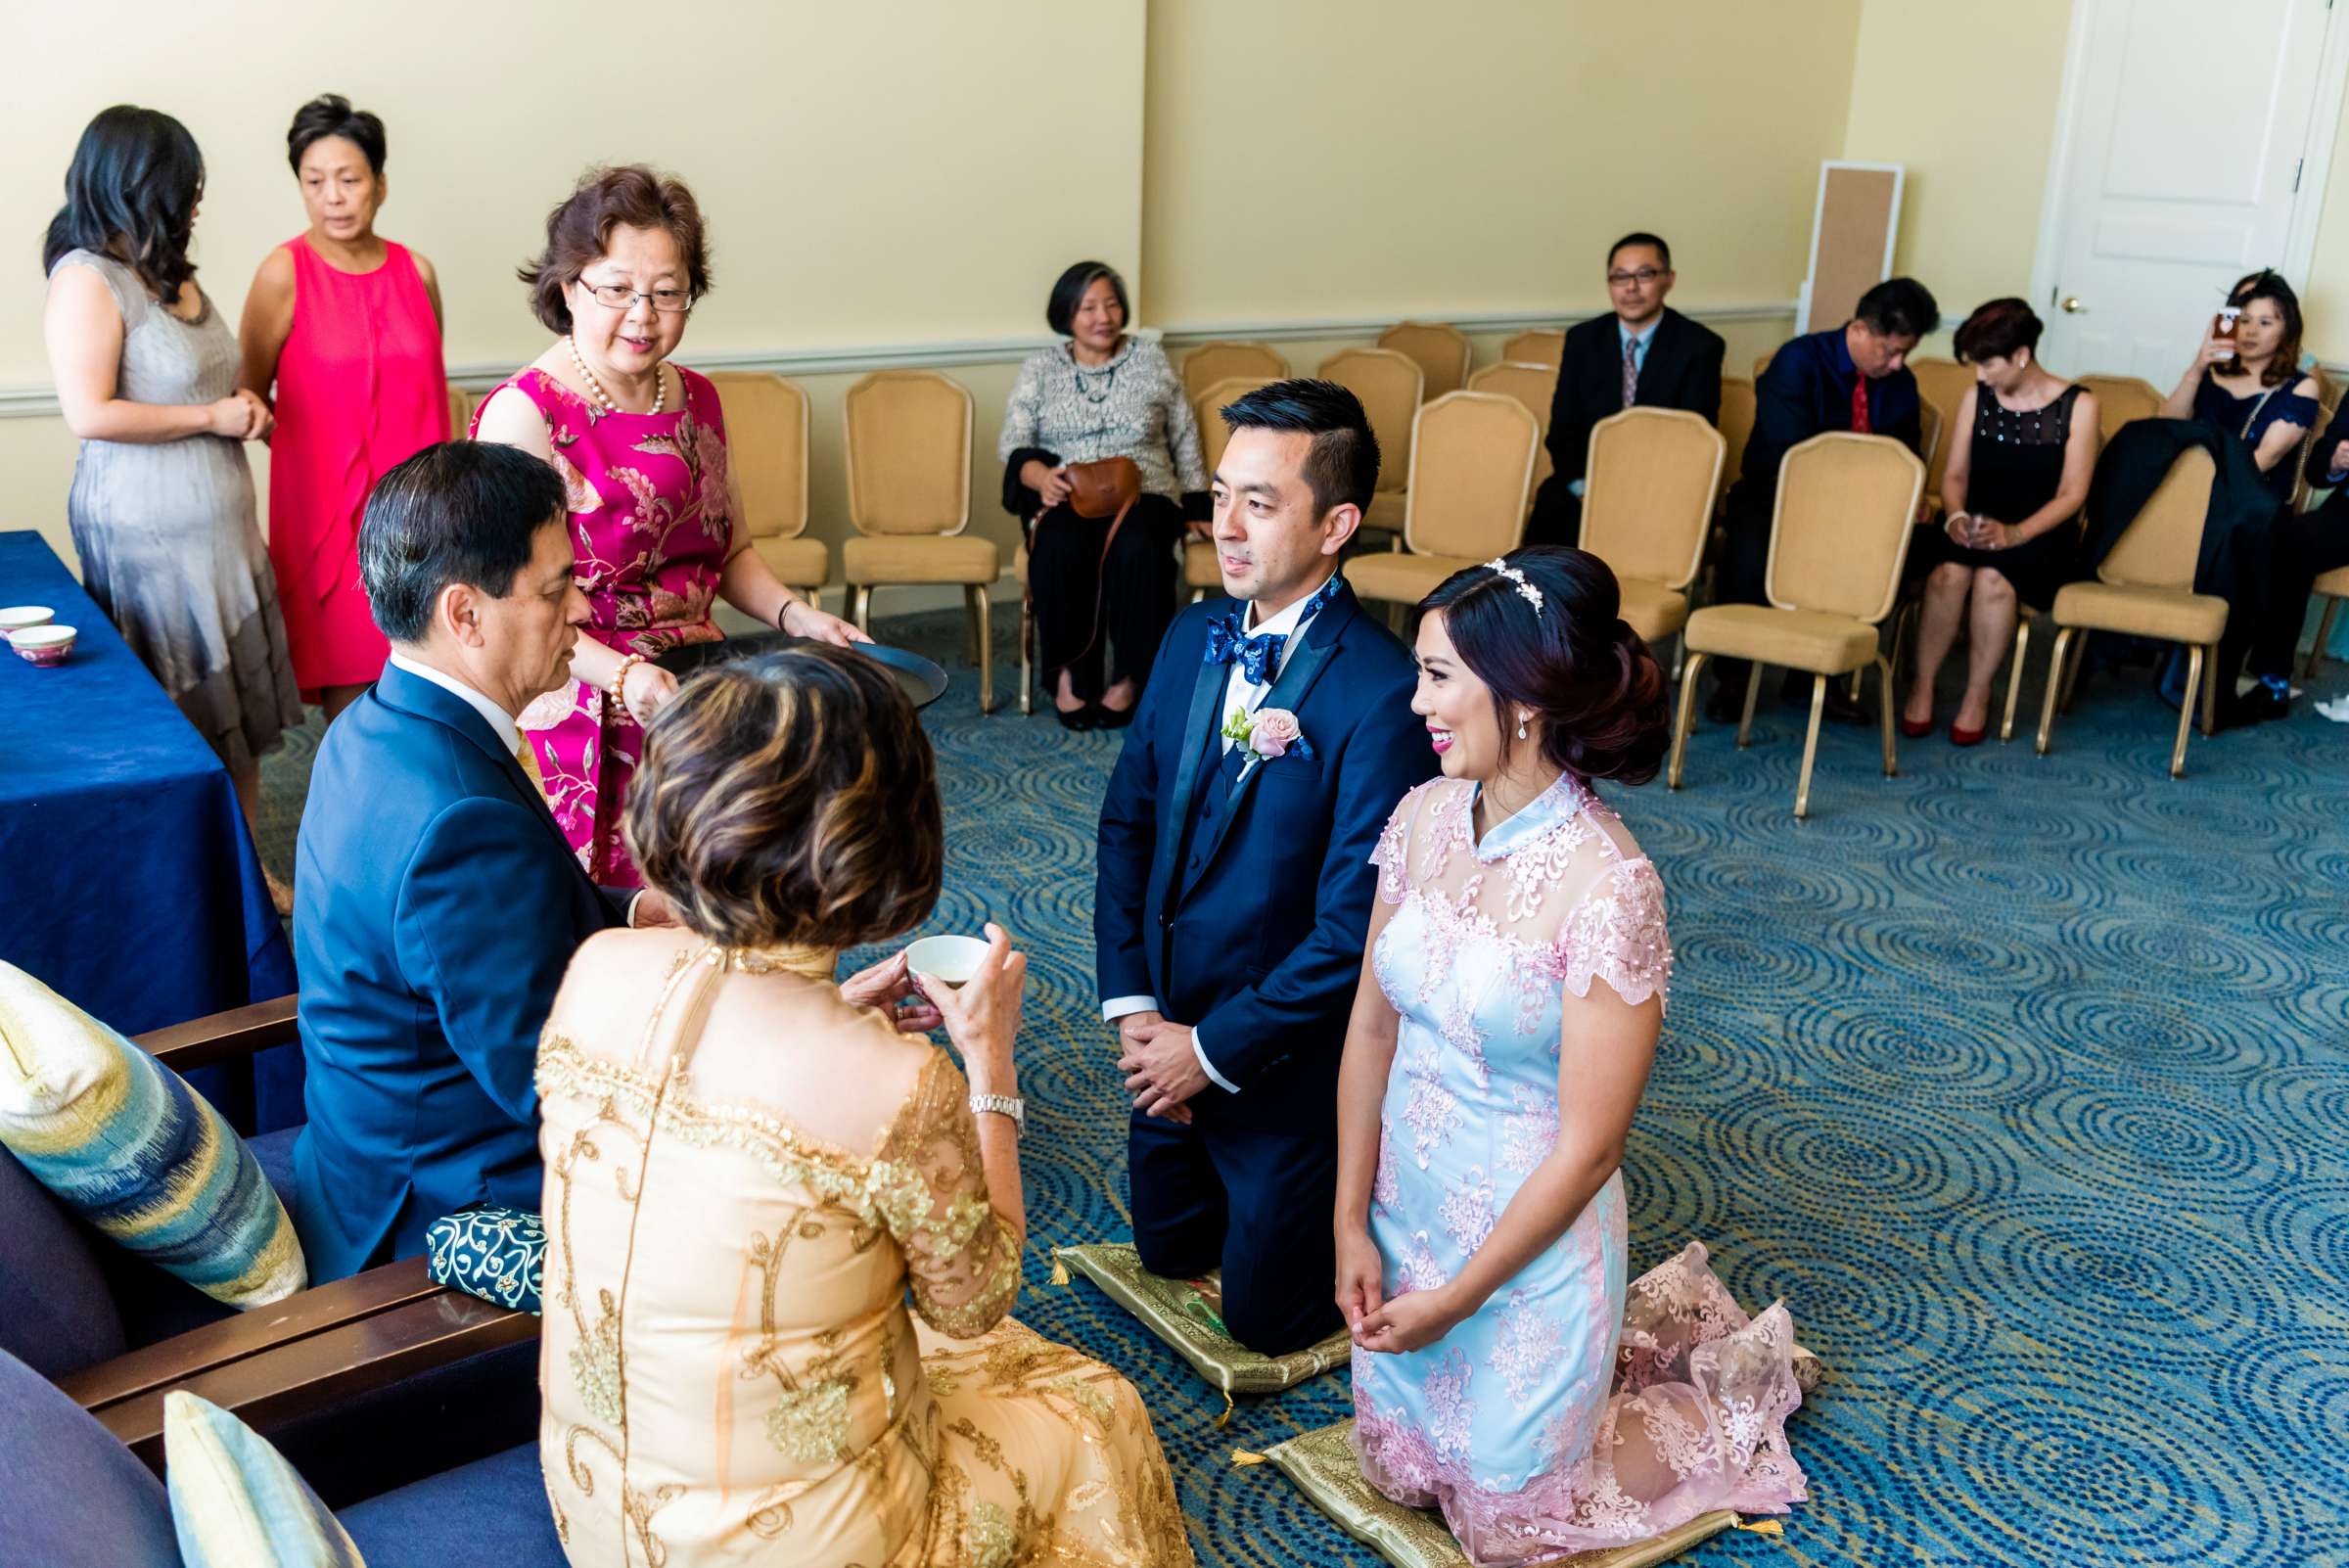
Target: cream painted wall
1967 103
1335 159
863 169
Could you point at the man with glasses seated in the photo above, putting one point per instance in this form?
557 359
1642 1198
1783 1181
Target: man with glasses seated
1642 354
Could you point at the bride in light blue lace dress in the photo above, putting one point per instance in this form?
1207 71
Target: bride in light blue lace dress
1509 1010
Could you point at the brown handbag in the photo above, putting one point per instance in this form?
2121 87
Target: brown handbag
1104 490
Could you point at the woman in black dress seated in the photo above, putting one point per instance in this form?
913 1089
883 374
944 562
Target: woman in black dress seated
2250 385
2022 448
1097 595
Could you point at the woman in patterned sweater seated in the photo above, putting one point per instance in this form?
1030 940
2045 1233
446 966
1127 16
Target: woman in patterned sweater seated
748 1168
1102 395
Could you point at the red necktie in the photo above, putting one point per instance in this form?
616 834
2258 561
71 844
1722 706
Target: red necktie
1859 405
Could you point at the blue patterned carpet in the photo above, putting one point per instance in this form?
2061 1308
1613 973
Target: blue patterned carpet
2024 1081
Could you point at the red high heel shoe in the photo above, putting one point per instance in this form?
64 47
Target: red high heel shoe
1916 729
1966 737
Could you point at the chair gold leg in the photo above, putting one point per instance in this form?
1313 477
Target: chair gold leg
2071 674
1904 622
970 616
2015 677
984 628
1745 719
1892 764
1802 783
2046 705
1680 653
1027 654
2186 707
2316 649
1685 722
864 608
2210 695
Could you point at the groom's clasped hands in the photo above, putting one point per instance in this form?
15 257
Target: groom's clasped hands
1160 1065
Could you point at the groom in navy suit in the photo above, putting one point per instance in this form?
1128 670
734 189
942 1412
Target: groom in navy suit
1273 739
435 901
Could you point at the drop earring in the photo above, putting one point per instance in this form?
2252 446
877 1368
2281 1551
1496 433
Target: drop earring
1521 726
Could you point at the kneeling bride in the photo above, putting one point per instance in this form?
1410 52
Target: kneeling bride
744 1173
1499 1043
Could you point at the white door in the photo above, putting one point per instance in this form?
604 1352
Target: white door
2185 130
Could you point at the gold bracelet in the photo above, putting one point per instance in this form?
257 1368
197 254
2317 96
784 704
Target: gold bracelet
620 678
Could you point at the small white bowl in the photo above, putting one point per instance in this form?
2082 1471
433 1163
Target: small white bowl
44 645
19 616
952 960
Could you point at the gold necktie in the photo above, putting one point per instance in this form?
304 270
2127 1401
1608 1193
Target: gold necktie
528 760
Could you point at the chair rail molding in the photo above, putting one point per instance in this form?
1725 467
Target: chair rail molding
38 400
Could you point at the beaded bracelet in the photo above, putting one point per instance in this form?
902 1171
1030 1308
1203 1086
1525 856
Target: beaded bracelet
620 678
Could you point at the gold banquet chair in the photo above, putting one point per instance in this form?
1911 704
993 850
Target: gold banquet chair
1536 386
1942 386
1737 409
1474 470
766 429
908 440
1440 350
460 412
1654 475
1388 384
1224 360
1540 346
2146 588
2120 399
1200 573
1837 541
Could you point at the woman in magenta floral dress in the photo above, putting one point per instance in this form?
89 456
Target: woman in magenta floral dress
1504 1371
656 517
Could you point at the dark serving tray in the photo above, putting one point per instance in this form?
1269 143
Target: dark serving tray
922 681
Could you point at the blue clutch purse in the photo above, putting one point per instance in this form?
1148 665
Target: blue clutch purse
496 1254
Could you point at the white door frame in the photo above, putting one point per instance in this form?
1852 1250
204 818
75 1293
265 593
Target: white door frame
2316 154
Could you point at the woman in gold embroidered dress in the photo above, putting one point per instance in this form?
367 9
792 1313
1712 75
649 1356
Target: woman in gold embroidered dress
747 1167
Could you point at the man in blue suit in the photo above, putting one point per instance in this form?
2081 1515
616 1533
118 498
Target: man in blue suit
1234 872
435 902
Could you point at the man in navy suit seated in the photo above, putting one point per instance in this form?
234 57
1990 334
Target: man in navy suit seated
1274 738
435 902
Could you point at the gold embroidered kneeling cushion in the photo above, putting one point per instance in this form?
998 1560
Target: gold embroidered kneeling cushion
1186 1314
1321 1463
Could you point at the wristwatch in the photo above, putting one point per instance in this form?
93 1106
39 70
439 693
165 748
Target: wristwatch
1010 1105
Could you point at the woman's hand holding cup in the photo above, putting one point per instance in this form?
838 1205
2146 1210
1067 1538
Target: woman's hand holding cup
982 1014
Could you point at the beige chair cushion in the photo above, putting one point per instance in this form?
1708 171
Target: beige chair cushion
918 558
1401 578
1794 639
1654 611
801 562
2334 583
1199 568
2164 612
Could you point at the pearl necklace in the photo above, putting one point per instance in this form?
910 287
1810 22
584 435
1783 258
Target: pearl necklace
604 398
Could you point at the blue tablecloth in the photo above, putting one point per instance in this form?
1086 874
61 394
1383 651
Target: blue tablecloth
131 883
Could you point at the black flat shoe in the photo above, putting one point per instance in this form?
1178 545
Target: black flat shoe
1107 717
1079 719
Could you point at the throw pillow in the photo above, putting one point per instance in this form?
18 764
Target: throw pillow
235 1500
122 1141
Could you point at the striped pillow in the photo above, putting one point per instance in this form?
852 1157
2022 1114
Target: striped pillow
122 1141
235 1500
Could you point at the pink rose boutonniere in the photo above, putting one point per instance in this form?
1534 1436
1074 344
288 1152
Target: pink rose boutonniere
1269 733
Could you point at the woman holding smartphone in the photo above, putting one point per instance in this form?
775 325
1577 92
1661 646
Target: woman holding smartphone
2245 378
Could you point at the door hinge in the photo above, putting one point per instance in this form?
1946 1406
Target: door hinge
2300 163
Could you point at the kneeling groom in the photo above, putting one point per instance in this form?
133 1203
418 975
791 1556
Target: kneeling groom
1234 889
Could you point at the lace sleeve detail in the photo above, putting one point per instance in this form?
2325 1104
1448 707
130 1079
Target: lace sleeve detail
1617 934
1393 855
963 1261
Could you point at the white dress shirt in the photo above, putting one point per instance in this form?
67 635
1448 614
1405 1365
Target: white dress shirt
501 723
1240 694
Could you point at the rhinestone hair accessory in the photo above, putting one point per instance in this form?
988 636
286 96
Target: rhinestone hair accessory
1525 589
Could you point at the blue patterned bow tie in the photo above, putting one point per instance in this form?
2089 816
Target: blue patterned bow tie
1261 653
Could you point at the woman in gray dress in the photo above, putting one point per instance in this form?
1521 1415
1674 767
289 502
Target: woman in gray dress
161 508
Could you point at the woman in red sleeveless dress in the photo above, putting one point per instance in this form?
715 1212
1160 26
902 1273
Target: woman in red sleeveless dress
342 331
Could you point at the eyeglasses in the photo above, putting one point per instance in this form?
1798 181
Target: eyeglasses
1643 277
620 297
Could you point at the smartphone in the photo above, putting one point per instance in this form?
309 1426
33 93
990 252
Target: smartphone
2222 325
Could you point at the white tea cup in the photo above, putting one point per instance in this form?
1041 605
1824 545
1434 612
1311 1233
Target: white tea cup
951 959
